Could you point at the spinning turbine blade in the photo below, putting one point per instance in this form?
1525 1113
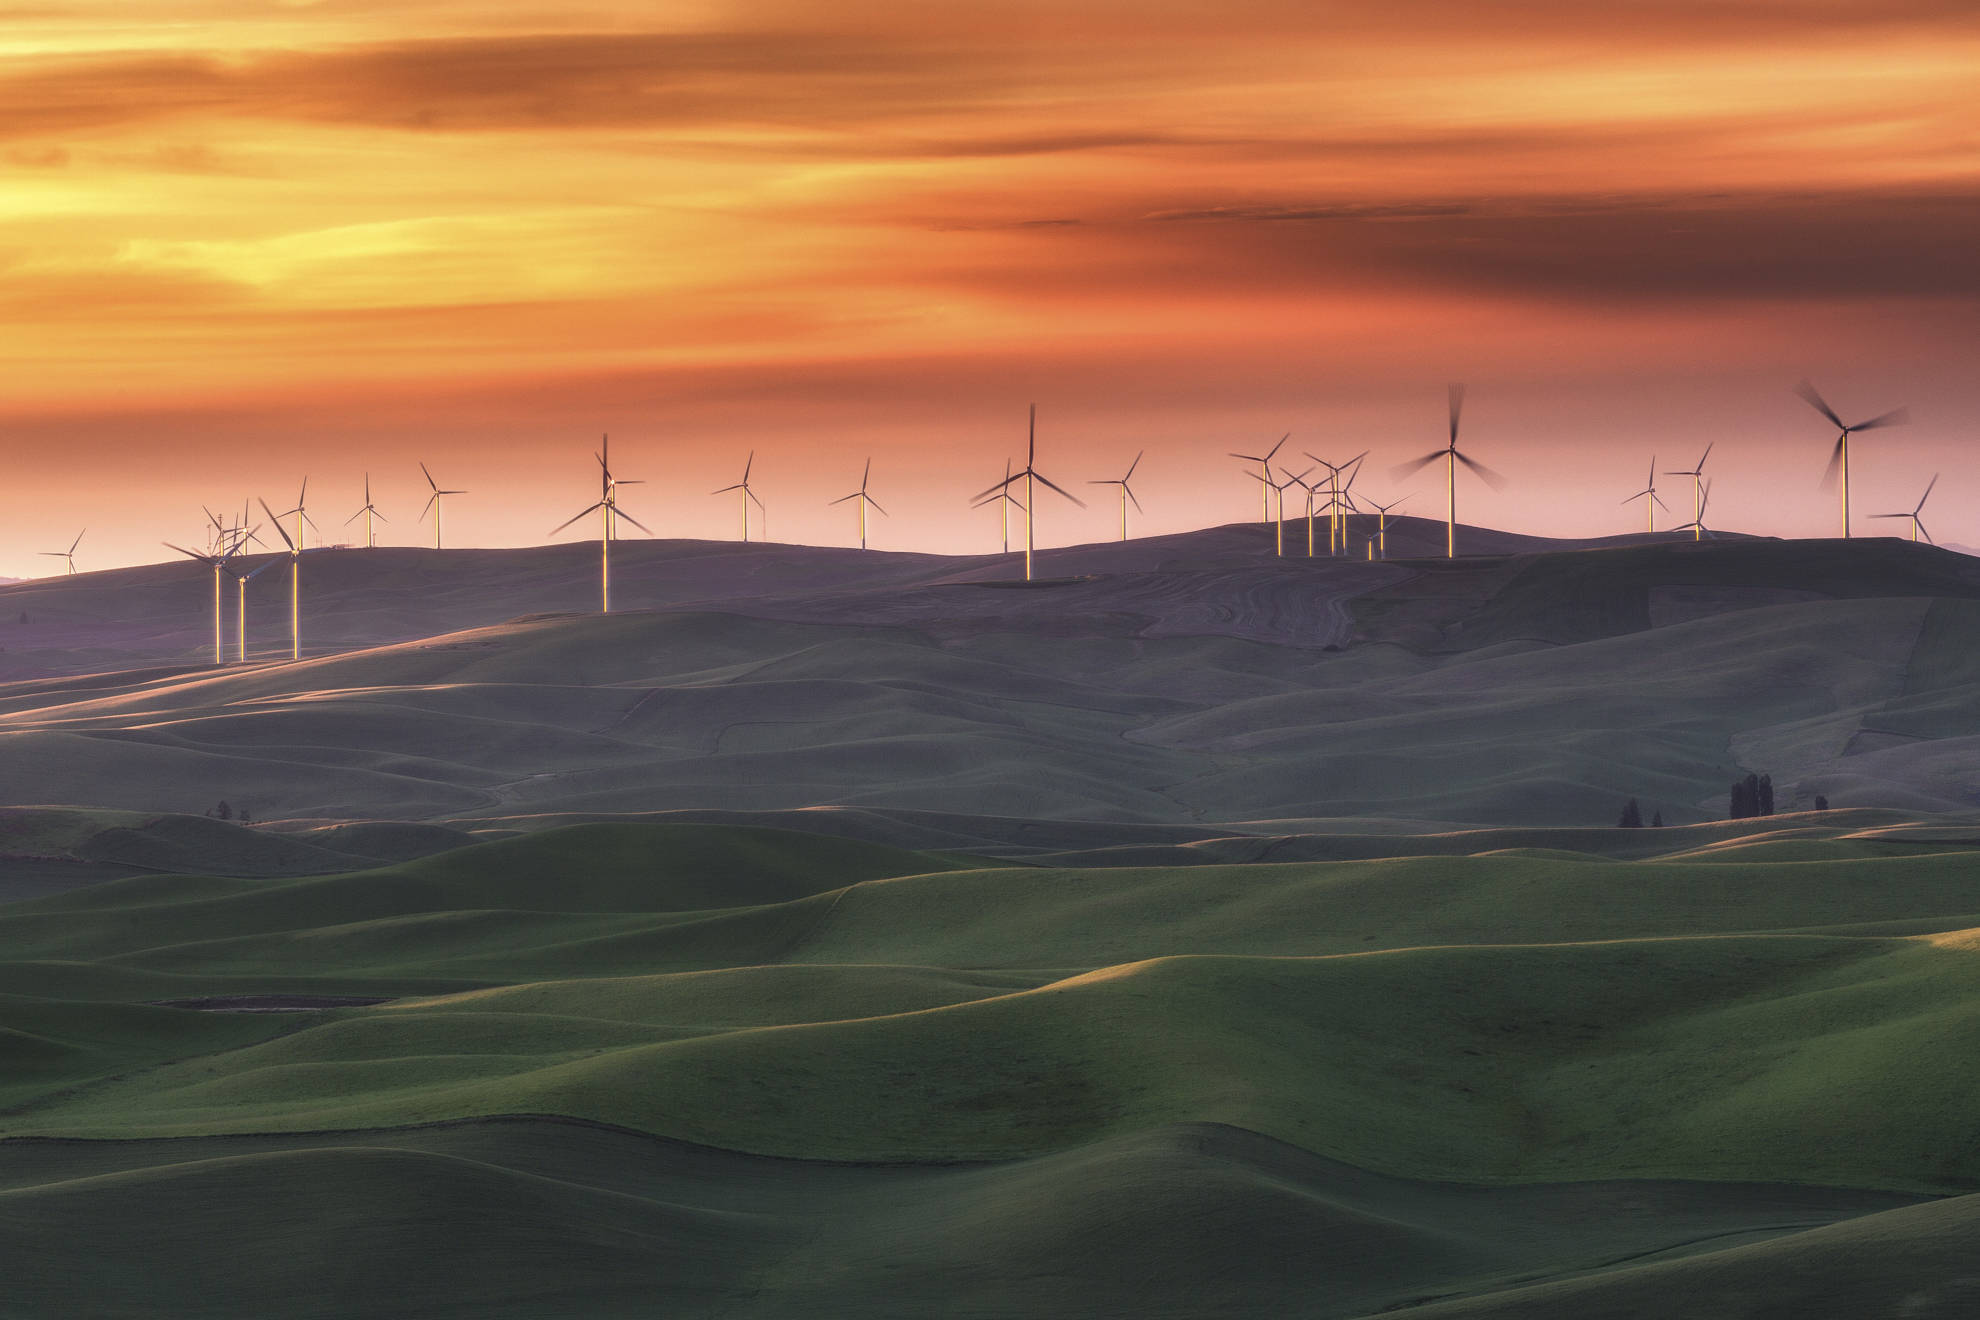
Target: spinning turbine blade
1490 478
1819 404
1835 466
617 512
1895 417
1457 410
1415 465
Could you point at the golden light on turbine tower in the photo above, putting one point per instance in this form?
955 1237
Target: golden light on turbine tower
1650 497
1381 537
608 511
1033 478
218 563
1279 488
295 568
68 556
368 512
746 496
1127 491
1307 486
1449 453
1697 474
1337 497
1839 456
1917 523
864 499
435 503
1005 502
241 580
1264 476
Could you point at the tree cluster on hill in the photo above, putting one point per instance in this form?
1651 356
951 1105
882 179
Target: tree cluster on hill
1632 817
1752 796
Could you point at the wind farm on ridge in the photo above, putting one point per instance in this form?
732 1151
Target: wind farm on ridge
1332 501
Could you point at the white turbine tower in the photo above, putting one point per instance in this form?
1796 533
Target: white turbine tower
69 555
608 511
1033 479
864 500
435 504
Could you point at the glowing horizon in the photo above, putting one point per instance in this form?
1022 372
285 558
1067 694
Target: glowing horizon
248 242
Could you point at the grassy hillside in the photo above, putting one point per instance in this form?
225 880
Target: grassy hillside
908 1081
1510 1015
536 1219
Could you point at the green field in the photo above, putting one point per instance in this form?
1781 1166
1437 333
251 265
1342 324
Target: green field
1433 1059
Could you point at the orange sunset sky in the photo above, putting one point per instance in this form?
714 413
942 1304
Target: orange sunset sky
243 241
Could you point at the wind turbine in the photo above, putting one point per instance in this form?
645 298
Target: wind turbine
70 554
1127 492
217 563
1033 478
1381 537
1280 488
1697 526
295 576
1917 524
1452 458
241 580
1697 474
1005 500
608 511
1311 490
1264 475
1839 457
368 512
1338 499
864 500
301 516
747 495
435 504
1651 499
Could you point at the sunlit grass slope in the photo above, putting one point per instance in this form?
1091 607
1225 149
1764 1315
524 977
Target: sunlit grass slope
1505 1016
